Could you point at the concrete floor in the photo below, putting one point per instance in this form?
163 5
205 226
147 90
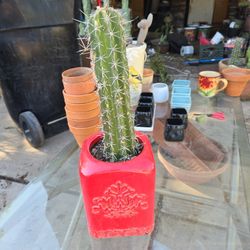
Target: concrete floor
20 163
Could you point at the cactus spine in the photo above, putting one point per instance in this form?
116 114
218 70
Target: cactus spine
108 46
235 58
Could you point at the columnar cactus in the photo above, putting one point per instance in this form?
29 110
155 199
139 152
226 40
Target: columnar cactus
126 13
236 55
86 4
108 46
248 57
86 7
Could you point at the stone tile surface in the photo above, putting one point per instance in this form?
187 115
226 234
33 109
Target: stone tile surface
20 162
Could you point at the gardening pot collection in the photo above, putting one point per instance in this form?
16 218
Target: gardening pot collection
82 102
118 197
237 80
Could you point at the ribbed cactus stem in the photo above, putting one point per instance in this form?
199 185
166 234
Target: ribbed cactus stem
106 3
108 46
86 4
236 52
248 57
126 14
86 7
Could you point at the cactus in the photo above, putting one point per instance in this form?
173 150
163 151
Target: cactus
108 46
106 3
86 7
86 4
248 57
236 55
126 14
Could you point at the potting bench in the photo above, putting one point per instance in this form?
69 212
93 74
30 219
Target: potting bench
49 213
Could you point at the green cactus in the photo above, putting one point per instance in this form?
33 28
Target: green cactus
106 3
248 57
126 14
86 7
108 46
236 55
86 11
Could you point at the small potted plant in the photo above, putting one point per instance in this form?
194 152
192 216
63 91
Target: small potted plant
162 44
237 76
117 169
157 65
236 59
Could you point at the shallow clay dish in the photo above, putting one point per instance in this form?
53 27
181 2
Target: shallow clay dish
197 159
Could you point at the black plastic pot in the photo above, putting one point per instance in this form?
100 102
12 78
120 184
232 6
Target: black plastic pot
37 43
147 102
147 95
143 116
145 110
174 130
180 113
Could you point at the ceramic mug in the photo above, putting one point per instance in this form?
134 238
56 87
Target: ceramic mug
209 83
160 92
187 50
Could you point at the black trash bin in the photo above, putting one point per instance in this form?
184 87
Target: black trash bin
38 41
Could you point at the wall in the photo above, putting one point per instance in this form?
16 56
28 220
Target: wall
201 11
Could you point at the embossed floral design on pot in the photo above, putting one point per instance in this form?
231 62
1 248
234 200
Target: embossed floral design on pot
119 200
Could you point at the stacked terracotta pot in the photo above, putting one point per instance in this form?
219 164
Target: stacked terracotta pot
82 102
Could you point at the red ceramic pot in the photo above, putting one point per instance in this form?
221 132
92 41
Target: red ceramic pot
118 197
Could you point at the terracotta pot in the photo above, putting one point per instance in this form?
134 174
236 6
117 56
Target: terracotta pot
85 98
78 81
148 76
82 107
80 138
223 64
237 80
84 123
119 204
197 176
82 115
80 134
203 161
85 131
